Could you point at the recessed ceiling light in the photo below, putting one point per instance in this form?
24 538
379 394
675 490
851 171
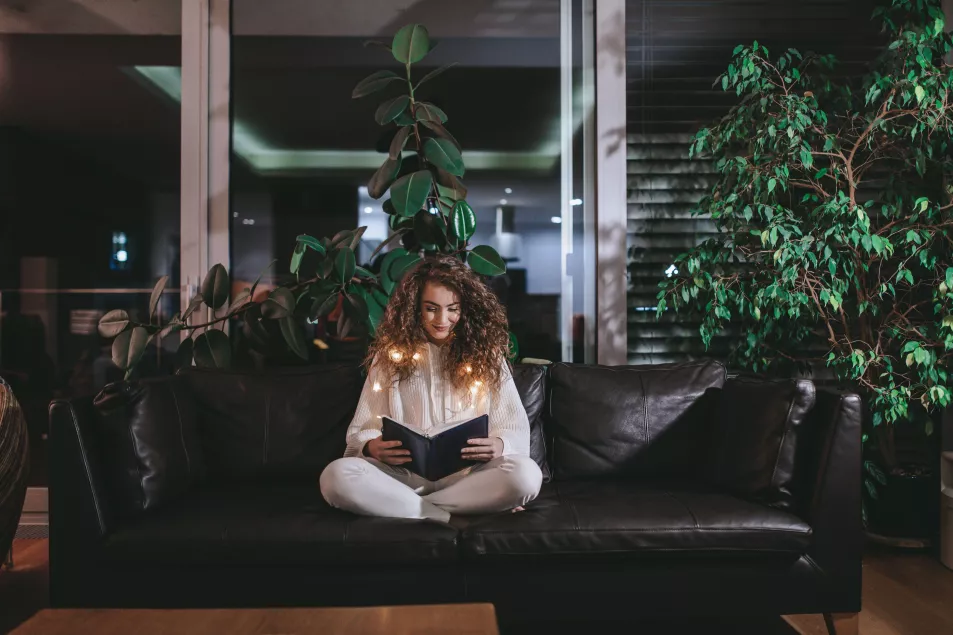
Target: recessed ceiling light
576 201
557 219
508 190
368 210
234 214
502 201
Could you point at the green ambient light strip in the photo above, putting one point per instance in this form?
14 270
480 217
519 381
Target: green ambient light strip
266 159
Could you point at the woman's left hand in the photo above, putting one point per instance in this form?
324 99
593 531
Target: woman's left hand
483 449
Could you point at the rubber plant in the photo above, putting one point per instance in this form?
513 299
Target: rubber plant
421 176
833 202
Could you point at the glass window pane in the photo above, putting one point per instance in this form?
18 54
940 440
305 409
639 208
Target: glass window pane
304 150
89 188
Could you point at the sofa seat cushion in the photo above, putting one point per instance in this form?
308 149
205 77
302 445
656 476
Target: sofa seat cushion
275 526
588 517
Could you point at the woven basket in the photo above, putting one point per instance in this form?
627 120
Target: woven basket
14 466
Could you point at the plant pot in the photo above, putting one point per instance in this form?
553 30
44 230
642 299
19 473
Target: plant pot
905 513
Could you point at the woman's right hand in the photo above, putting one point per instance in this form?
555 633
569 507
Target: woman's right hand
387 451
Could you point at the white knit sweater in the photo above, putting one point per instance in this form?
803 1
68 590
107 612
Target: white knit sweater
426 399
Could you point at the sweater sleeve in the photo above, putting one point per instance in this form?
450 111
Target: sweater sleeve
367 424
507 417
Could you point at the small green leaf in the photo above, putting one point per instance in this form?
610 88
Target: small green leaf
280 303
390 109
409 192
194 304
344 265
156 294
463 221
411 44
323 304
920 93
212 350
113 323
486 261
294 337
443 154
129 346
311 242
296 257
771 185
373 83
390 239
215 287
424 111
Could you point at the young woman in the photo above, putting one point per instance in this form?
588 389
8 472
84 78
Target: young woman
439 357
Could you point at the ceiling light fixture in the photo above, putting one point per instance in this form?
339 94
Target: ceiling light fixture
556 219
508 190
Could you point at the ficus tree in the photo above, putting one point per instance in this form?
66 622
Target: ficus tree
426 200
833 203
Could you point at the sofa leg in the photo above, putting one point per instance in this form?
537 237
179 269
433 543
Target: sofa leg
842 623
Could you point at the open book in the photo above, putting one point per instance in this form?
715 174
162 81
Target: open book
436 453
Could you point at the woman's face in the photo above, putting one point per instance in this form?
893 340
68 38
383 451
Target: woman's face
439 311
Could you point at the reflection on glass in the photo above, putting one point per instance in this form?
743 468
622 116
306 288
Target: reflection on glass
304 150
89 188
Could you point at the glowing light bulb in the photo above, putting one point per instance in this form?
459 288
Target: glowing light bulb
416 356
473 389
478 383
396 356
469 370
377 387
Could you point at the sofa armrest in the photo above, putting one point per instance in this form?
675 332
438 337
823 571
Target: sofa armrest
79 506
832 492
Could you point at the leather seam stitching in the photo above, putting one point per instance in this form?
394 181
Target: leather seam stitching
178 411
89 473
687 508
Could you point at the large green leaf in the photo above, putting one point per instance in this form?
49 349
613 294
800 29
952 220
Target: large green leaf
390 109
310 241
280 303
484 260
194 304
450 186
434 73
113 323
424 111
348 238
344 265
183 355
387 279
215 287
129 346
411 44
293 336
384 176
156 294
373 83
443 154
463 221
356 307
398 142
409 192
439 130
323 305
212 350
402 265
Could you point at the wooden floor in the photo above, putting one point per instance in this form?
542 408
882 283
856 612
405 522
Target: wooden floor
904 594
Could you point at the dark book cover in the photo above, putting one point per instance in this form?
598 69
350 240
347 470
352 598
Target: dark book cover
437 455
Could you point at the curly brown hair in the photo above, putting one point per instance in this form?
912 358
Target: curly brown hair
479 342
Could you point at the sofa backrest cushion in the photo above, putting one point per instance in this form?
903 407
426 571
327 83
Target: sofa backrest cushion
148 431
280 424
755 437
614 420
530 380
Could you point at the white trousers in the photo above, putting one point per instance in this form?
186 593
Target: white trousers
368 487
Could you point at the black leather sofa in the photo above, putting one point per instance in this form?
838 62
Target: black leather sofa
670 490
